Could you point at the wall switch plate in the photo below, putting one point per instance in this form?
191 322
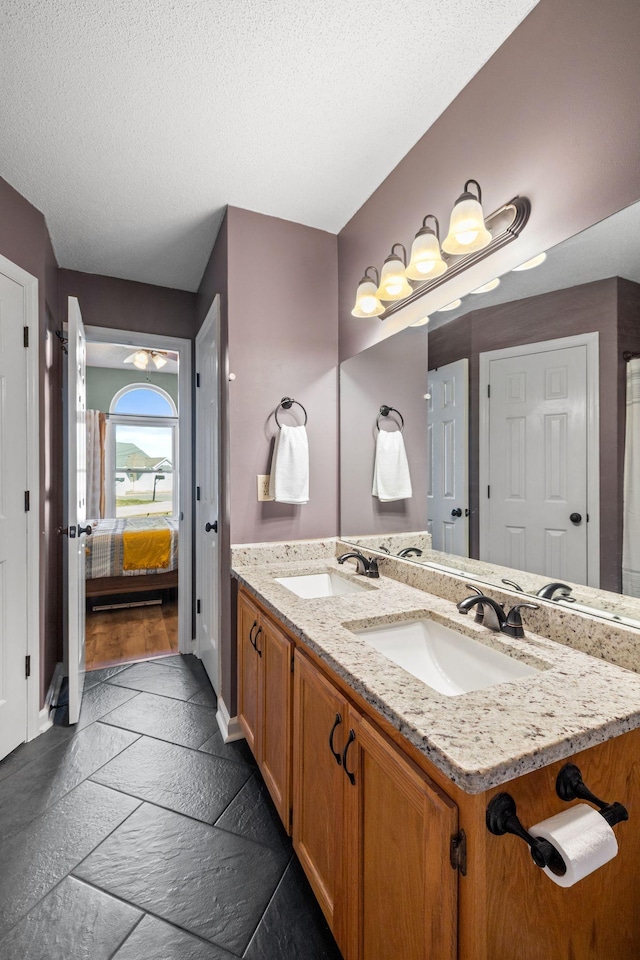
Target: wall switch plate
263 487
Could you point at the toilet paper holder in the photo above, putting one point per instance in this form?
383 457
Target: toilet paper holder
502 817
571 786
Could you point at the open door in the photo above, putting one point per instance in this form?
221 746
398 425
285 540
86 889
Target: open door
76 508
208 494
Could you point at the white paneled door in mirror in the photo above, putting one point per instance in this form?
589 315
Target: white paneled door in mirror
536 501
13 518
448 458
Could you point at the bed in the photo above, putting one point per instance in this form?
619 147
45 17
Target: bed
132 555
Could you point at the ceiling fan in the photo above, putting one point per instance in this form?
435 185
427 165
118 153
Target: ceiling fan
143 359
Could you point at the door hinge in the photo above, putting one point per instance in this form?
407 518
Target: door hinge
197 379
25 336
197 606
489 390
197 493
488 492
458 852
27 501
27 666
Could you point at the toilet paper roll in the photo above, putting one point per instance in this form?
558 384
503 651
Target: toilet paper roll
582 837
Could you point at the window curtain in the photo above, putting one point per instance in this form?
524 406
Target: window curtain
631 514
96 435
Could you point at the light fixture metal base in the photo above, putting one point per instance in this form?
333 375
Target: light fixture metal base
505 225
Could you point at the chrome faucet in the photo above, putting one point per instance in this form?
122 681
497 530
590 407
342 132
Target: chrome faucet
563 590
368 568
409 552
493 616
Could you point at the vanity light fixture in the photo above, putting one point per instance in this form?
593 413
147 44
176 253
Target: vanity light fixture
450 306
426 258
420 323
393 282
367 301
530 264
486 287
467 230
471 238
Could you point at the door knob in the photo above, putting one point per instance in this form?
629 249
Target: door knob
457 512
211 526
575 518
86 530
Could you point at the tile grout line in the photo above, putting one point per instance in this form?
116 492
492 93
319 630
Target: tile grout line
133 928
271 899
156 916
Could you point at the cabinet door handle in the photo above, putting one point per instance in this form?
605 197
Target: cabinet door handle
251 640
255 642
336 753
350 740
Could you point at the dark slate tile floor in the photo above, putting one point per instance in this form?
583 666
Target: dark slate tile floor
141 835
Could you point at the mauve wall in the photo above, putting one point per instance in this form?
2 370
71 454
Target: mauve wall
610 307
24 240
283 341
392 373
552 115
127 305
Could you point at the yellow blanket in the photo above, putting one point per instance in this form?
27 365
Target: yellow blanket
146 549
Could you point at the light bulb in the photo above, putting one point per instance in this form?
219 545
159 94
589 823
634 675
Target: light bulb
141 360
159 360
467 230
450 306
367 302
426 260
393 283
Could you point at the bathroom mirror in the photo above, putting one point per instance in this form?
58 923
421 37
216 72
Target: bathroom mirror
561 329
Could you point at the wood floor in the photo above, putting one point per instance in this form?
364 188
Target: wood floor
117 636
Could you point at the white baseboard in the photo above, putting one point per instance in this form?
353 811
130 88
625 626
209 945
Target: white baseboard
44 720
229 726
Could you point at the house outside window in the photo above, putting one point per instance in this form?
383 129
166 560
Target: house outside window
142 448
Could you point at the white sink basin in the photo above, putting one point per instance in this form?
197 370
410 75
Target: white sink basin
444 659
314 585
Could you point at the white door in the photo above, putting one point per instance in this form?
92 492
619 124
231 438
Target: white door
208 494
448 458
76 508
537 497
13 516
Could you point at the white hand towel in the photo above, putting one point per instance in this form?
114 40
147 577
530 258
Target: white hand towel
289 477
391 480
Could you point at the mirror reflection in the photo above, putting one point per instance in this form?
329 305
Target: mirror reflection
517 425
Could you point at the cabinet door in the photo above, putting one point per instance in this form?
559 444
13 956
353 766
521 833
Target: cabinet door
320 718
275 716
248 671
406 903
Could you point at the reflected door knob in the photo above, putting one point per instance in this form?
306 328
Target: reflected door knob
211 526
457 512
86 530
575 518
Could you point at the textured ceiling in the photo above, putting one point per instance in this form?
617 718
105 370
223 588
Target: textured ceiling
607 249
131 123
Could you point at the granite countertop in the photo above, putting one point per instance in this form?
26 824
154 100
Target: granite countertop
480 739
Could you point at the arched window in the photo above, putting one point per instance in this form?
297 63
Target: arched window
143 426
143 400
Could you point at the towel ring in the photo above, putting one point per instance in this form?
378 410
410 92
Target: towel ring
286 403
385 411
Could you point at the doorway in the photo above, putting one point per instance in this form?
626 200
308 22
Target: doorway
138 497
539 456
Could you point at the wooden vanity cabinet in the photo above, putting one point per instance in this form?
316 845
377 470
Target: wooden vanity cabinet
371 830
264 700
